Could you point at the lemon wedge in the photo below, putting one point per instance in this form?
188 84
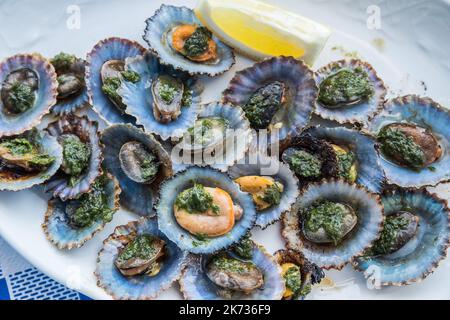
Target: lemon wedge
259 30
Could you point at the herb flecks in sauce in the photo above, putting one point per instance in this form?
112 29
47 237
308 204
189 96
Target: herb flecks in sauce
328 215
244 248
293 280
345 87
196 200
392 226
395 143
346 162
206 130
21 97
131 76
264 103
63 61
18 146
197 43
305 164
272 194
110 86
76 155
149 167
141 247
232 265
92 206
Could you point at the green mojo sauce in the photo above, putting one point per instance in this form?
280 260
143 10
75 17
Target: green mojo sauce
345 87
305 164
92 206
395 143
272 195
21 97
149 167
196 200
327 215
76 155
293 280
392 226
346 162
231 264
141 247
197 43
63 61
244 248
263 104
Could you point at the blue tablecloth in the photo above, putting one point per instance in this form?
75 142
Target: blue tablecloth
19 280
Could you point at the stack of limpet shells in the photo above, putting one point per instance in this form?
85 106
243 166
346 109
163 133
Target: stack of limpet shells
348 193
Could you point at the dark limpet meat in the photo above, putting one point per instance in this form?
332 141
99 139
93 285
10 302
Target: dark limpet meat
139 164
18 90
409 145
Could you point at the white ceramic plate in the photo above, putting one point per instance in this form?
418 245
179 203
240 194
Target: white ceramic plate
410 52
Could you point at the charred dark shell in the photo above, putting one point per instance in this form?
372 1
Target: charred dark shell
316 147
311 274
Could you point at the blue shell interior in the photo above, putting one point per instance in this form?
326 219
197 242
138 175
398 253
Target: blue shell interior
367 230
71 105
418 258
108 49
76 102
59 185
45 98
239 141
266 166
50 146
139 99
358 113
138 287
302 90
208 177
64 235
423 113
195 285
164 20
136 197
370 173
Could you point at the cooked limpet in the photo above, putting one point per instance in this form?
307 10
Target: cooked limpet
82 156
298 273
138 262
414 137
28 159
70 224
72 91
350 91
203 210
140 164
105 71
273 186
180 40
164 101
414 239
277 93
28 89
225 275
333 222
358 159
